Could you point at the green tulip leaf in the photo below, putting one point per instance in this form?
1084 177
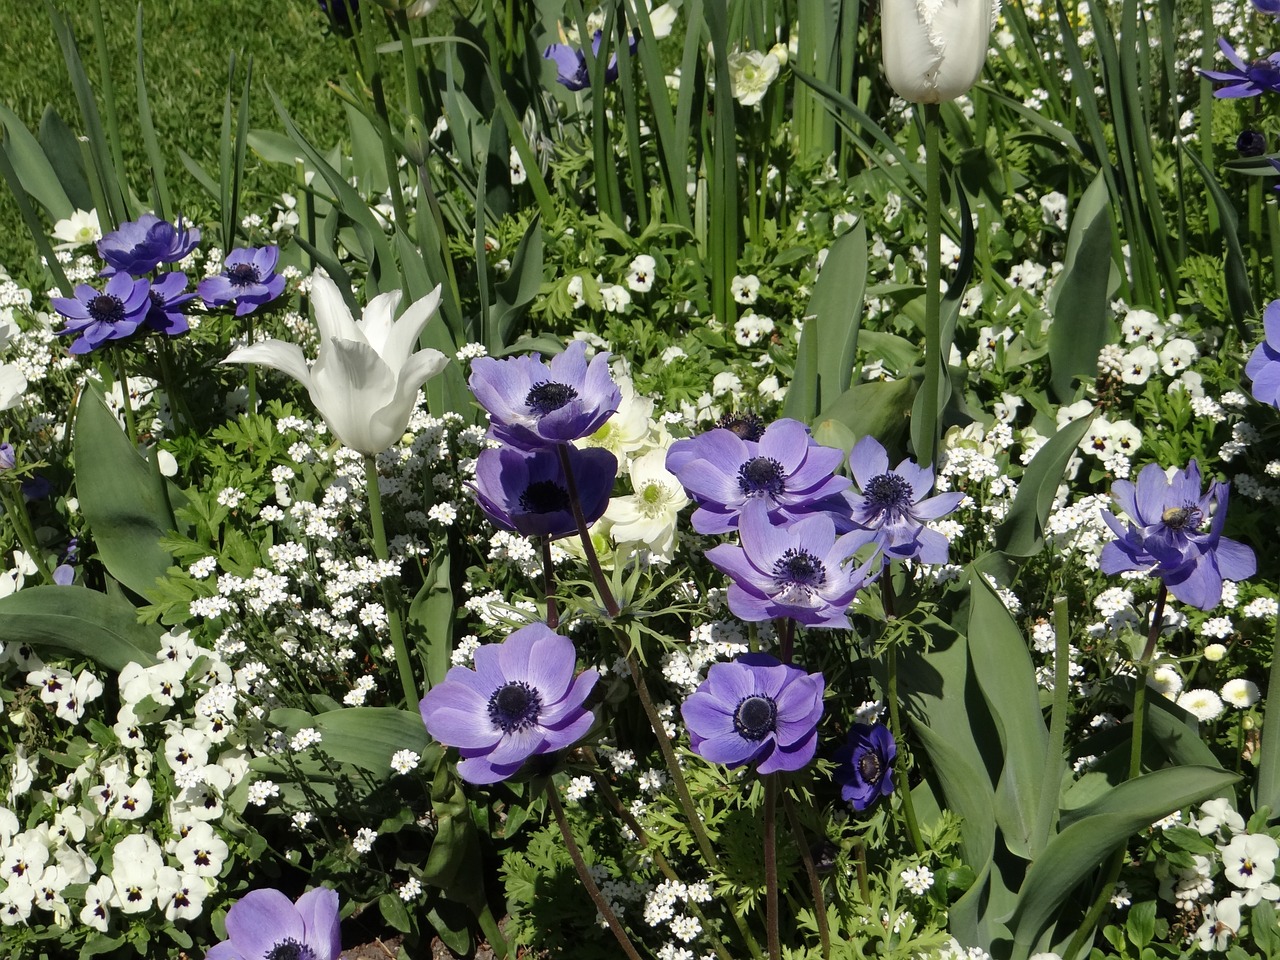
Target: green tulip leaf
1022 532
103 627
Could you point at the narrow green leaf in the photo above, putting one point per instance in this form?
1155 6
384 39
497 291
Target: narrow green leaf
433 610
1266 790
35 172
80 621
1022 532
63 153
152 143
1079 301
1006 676
123 498
394 912
1239 292
835 315
522 284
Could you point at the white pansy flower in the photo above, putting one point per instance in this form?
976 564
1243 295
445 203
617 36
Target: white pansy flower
640 273
1221 924
1138 364
136 862
1249 862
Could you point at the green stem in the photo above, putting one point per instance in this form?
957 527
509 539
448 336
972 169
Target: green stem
771 865
895 718
584 532
117 357
549 584
933 360
584 875
16 508
390 600
860 858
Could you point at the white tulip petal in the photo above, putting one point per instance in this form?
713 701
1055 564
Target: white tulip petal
332 315
276 354
13 384
349 384
404 336
378 321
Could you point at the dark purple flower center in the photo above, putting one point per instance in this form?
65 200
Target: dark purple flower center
748 426
545 496
755 718
1264 73
243 274
870 767
157 299
290 949
888 491
761 476
800 568
1185 517
547 396
515 706
104 308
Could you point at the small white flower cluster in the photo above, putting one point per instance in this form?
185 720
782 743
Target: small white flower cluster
917 879
662 903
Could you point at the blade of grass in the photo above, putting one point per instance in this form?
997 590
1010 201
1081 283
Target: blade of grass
155 155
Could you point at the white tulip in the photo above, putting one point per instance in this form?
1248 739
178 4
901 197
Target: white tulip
934 50
365 379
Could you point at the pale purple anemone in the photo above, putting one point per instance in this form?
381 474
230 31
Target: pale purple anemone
139 246
571 63
97 317
1164 537
526 491
755 710
799 570
248 280
267 925
533 405
521 700
895 504
1263 367
1245 79
787 470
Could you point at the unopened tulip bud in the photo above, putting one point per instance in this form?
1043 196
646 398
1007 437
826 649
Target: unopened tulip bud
934 50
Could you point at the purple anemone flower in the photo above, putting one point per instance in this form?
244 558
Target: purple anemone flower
526 491
248 279
755 710
798 570
168 298
1263 367
533 405
1164 535
96 317
521 700
865 765
1270 7
139 246
787 470
1245 80
571 63
895 504
266 925
8 457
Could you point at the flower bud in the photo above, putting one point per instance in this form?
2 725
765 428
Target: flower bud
1214 652
1251 143
934 50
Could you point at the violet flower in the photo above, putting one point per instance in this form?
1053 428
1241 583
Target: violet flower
798 570
96 317
266 925
865 765
755 710
139 246
248 280
1263 367
8 457
169 297
571 63
533 405
787 470
1245 80
895 504
521 700
1164 536
527 491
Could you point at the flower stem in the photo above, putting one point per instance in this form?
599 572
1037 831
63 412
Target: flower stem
549 584
771 864
584 875
815 882
895 718
588 549
130 425
787 633
860 858
933 360
16 508
390 600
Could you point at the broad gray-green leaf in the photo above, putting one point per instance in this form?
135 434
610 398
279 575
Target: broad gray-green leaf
1022 532
78 620
33 168
364 737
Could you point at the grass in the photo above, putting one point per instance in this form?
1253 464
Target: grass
187 46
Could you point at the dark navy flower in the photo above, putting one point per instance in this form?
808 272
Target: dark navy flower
755 710
1251 143
1245 80
266 925
169 296
895 504
341 13
527 490
1263 367
248 280
96 317
865 765
571 63
1165 535
521 700
139 246
786 470
1270 7
799 570
534 405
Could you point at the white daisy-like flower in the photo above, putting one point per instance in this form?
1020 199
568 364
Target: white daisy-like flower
1240 693
1204 705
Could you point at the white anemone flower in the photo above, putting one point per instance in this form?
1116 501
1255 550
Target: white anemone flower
365 379
934 50
648 516
78 230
